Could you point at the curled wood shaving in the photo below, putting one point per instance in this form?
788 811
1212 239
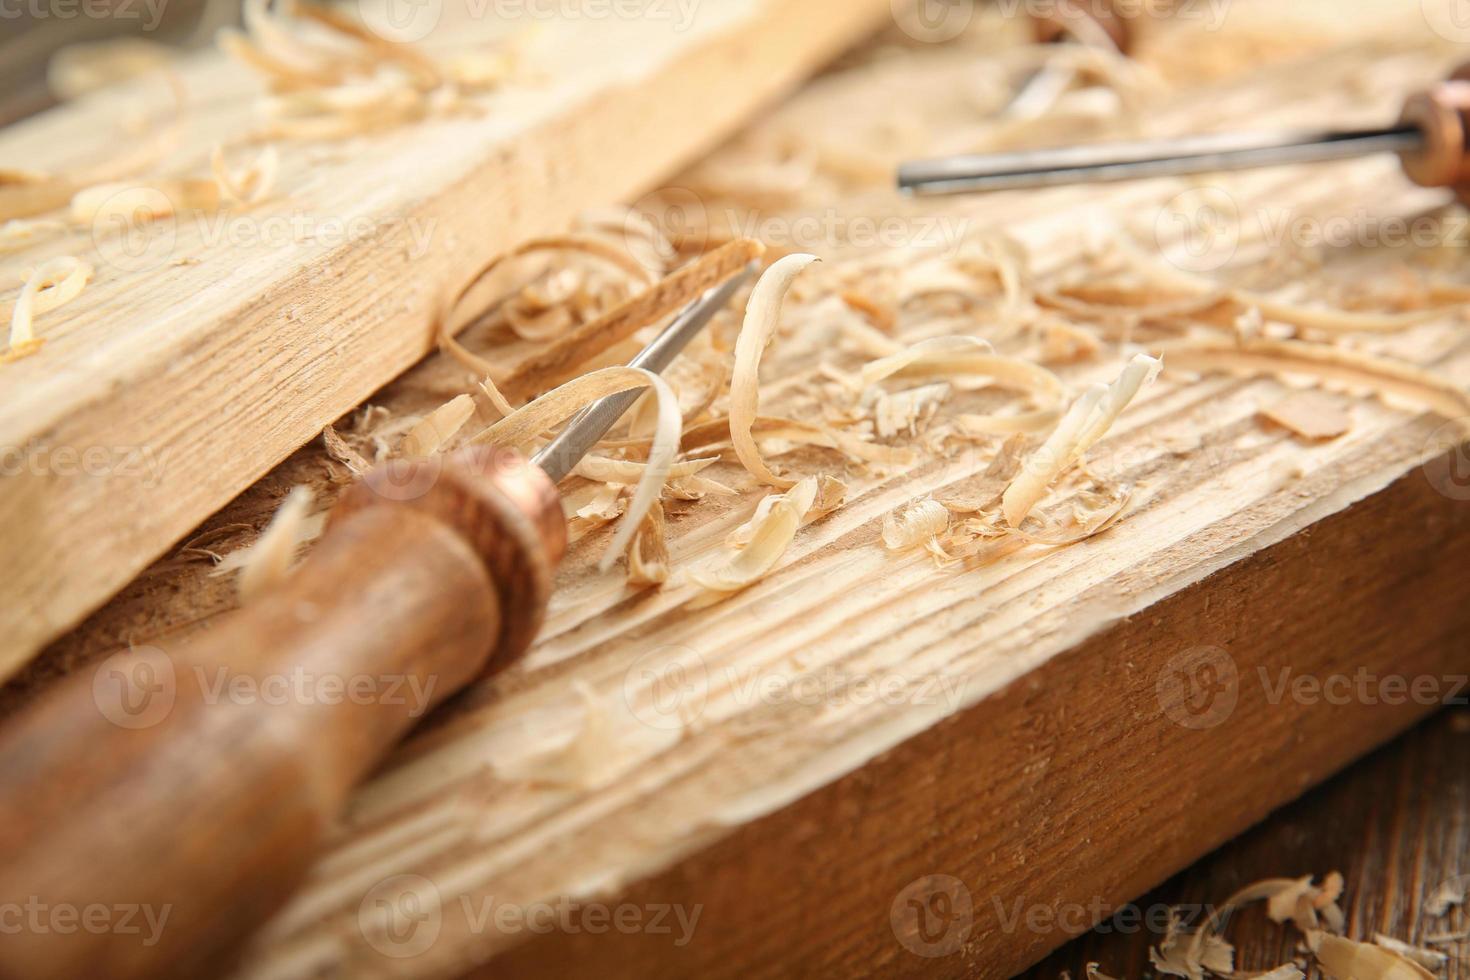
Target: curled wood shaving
1096 522
903 411
674 292
1326 363
598 248
1430 959
251 185
438 427
1089 418
25 194
956 356
53 284
629 472
648 555
1333 321
517 430
769 538
19 233
137 202
1286 971
605 505
1347 959
915 525
762 315
1192 954
266 562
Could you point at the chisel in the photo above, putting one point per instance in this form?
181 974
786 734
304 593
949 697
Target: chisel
154 785
1430 138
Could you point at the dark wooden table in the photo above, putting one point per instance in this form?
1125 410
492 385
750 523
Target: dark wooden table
1396 824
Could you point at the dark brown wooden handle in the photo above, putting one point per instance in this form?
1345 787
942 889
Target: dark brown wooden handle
155 810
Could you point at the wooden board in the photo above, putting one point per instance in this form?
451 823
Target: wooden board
1036 746
167 388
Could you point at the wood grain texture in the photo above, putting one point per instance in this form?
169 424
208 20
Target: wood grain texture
1395 824
182 384
1031 748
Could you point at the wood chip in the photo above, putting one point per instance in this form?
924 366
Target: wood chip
1311 415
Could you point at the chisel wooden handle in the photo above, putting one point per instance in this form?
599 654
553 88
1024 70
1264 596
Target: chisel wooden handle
154 811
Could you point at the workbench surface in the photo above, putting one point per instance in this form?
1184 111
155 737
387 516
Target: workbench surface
1036 755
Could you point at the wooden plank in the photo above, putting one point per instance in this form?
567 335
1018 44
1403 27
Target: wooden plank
177 385
1027 750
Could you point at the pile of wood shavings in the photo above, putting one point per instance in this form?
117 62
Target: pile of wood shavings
1314 911
902 345
332 77
915 356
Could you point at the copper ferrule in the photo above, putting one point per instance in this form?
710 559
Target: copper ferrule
505 506
1442 114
